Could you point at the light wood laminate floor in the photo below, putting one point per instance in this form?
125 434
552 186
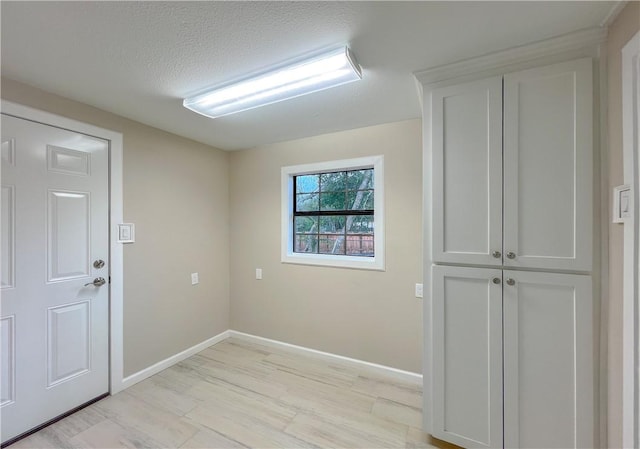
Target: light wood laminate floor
238 394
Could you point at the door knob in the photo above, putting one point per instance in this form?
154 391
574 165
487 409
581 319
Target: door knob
511 255
496 254
496 280
511 281
97 282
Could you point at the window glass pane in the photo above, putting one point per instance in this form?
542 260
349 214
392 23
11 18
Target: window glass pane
369 203
360 245
306 243
306 225
332 182
360 224
307 202
359 200
307 183
331 244
332 200
360 179
332 225
360 236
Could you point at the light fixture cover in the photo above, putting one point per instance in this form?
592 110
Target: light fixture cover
302 77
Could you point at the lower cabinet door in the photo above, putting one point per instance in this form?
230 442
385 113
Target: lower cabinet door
467 356
548 360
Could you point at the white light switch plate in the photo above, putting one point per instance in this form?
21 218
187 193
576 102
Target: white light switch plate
419 290
622 203
126 233
194 279
258 273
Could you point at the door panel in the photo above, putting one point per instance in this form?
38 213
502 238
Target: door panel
65 160
68 338
467 356
8 236
467 172
69 227
8 151
54 225
548 159
548 360
8 360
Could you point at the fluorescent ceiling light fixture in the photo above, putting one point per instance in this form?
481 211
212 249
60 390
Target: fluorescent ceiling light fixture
300 78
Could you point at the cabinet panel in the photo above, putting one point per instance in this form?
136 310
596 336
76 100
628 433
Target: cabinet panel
548 360
548 158
467 356
467 172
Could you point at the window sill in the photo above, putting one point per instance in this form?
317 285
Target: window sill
327 260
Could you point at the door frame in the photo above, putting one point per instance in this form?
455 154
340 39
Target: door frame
116 273
630 304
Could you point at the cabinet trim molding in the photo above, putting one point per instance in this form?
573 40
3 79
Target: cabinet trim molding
570 46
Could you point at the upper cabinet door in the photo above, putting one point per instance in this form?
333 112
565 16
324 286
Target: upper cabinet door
548 167
467 173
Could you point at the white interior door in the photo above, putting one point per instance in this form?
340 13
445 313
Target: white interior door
467 173
548 360
548 167
54 329
467 356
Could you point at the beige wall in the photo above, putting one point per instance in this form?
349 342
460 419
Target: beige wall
174 183
171 184
625 26
367 315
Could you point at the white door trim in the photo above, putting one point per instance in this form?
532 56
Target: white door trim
631 306
115 217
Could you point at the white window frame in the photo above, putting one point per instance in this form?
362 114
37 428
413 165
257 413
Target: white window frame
332 260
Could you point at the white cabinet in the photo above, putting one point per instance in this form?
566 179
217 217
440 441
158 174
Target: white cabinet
548 360
467 356
510 333
546 180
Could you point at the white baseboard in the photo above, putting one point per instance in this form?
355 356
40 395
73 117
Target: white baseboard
170 361
141 375
399 374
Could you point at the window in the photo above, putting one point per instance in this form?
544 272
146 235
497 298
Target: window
332 213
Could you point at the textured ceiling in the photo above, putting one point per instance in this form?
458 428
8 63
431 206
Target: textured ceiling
139 59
